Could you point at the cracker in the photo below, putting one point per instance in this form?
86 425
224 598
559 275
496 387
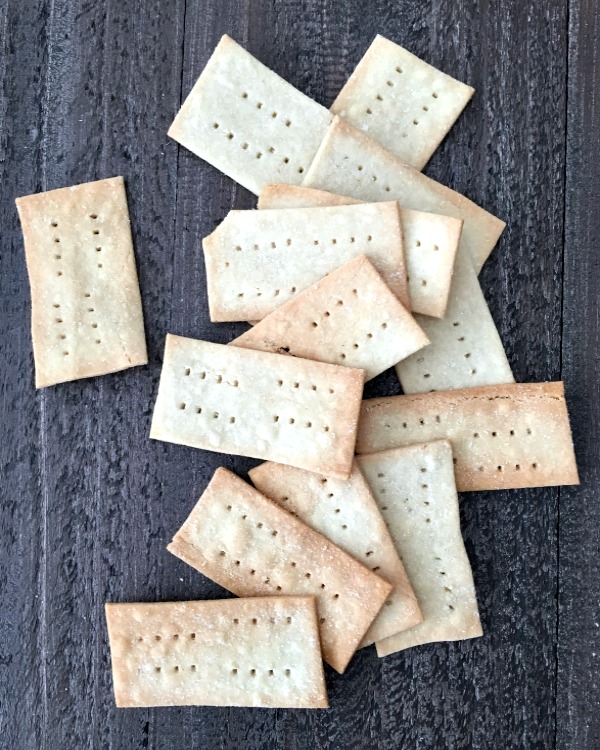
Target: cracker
503 436
257 260
250 546
415 489
430 243
347 514
401 101
86 311
248 122
258 404
465 349
350 163
348 318
232 652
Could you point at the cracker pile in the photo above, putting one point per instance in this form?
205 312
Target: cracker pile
354 263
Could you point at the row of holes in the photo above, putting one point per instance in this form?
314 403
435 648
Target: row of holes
493 434
192 636
512 433
198 410
187 371
260 294
517 467
292 420
234 671
296 385
316 243
267 581
259 105
446 588
215 415
259 154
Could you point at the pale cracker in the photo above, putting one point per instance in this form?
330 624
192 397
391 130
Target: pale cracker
350 163
257 260
415 489
348 318
347 514
465 349
401 101
430 242
250 546
258 404
86 311
503 436
263 651
248 122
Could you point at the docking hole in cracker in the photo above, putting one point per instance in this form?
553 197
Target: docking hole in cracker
502 436
250 546
348 318
430 242
258 404
86 311
248 122
231 652
346 513
415 490
258 260
401 101
348 162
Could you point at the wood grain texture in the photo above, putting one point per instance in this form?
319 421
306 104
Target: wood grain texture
578 697
88 90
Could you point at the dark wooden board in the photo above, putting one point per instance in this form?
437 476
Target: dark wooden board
578 697
88 502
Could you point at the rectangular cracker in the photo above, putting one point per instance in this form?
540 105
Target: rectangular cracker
263 651
416 492
503 436
430 242
401 101
250 546
350 163
465 349
348 318
248 122
258 404
347 514
86 311
258 260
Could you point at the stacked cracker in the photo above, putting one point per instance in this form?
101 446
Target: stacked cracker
355 263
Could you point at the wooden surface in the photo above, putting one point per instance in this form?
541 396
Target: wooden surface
88 504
